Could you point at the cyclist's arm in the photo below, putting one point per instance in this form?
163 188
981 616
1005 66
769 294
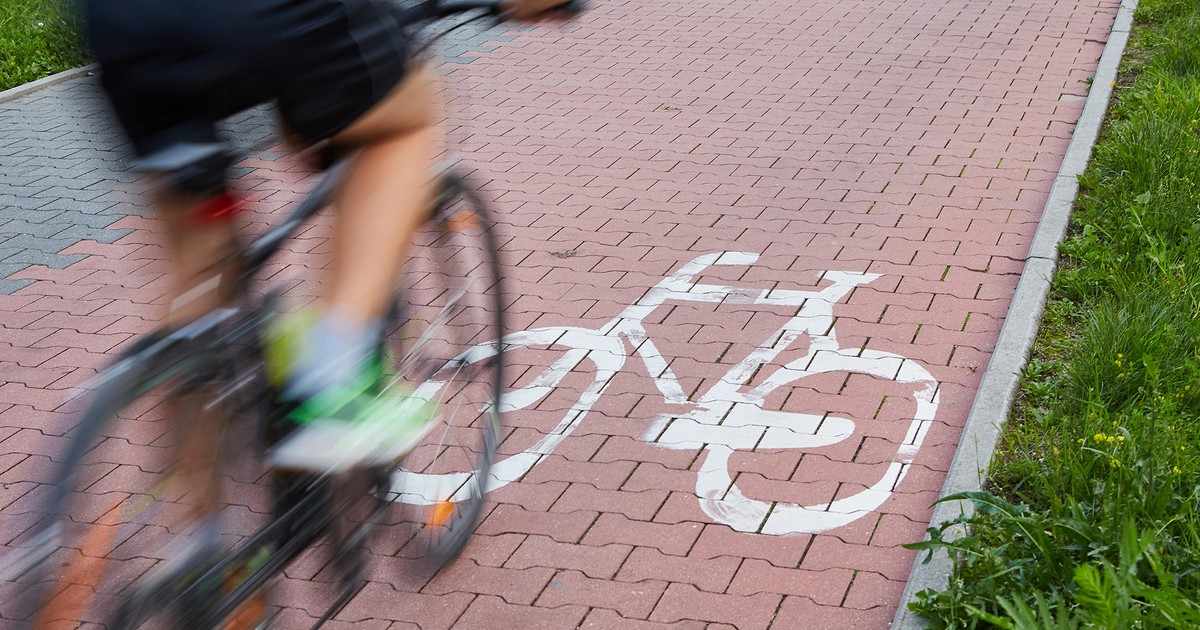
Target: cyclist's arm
530 9
428 10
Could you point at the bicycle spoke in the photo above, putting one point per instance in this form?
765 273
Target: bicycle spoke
440 359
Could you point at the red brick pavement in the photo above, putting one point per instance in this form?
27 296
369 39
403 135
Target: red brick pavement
909 139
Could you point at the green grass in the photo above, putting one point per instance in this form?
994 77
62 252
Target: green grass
1093 514
37 39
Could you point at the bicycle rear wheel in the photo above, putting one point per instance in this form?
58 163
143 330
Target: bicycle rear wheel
117 515
447 347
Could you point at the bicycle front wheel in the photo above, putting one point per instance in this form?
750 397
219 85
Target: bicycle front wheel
127 492
447 345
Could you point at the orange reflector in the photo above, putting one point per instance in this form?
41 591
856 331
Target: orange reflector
464 221
441 513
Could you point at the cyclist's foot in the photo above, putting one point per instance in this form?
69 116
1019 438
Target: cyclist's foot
361 429
343 412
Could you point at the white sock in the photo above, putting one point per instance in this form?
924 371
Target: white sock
334 354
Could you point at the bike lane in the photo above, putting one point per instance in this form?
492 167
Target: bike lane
914 141
911 142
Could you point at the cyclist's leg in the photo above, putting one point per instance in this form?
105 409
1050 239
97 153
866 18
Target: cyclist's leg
149 68
385 197
202 277
388 115
202 280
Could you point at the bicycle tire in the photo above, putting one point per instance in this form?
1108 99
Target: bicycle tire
447 342
112 505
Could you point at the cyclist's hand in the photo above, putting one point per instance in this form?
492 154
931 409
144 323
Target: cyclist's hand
537 9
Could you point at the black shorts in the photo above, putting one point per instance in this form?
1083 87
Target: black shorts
174 68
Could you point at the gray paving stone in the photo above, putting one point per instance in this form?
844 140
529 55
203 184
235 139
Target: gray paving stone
25 241
67 168
70 205
10 286
39 229
36 257
84 233
32 215
103 219
78 194
11 206
22 197
86 178
17 180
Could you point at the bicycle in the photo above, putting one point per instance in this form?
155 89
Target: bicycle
730 415
94 556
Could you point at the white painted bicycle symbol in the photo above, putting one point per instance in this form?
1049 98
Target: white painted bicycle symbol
730 416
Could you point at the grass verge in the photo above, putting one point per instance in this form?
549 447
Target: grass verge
1092 517
37 39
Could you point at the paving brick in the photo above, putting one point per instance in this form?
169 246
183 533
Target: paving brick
563 527
871 590
829 552
633 600
516 586
719 540
801 612
595 562
641 506
630 142
39 377
828 587
615 528
683 601
604 475
27 417
487 611
432 612
24 337
711 574
536 497
90 342
604 619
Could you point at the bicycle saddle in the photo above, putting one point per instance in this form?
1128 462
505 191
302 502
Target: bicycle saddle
196 168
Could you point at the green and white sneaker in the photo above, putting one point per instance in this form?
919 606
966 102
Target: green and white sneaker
363 423
339 430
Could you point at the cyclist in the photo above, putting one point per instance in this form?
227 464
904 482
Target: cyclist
340 74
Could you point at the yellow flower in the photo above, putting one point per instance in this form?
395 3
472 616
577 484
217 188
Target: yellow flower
1111 439
1099 437
1121 438
1176 470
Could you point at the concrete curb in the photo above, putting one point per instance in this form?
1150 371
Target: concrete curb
993 401
13 94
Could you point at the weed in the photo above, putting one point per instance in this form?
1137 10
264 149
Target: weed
38 38
1091 515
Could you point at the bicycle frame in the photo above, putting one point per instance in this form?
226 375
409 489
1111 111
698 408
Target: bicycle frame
729 417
